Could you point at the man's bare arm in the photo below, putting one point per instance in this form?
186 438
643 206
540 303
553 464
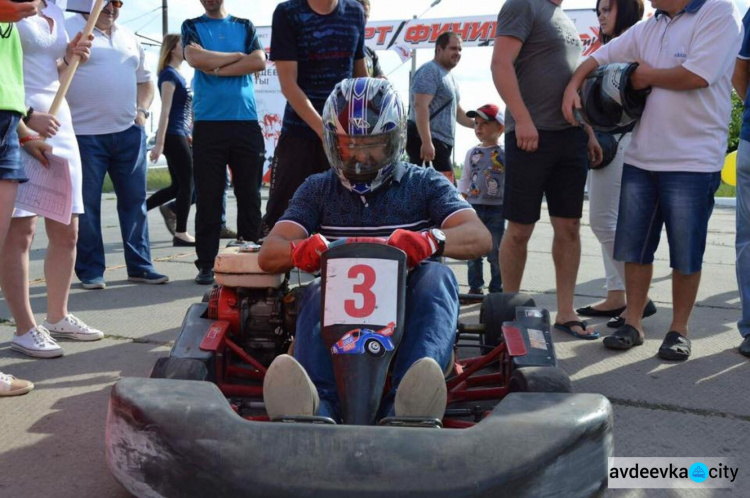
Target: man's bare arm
276 253
207 60
248 64
466 237
296 97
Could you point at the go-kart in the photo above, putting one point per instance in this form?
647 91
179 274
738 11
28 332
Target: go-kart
198 426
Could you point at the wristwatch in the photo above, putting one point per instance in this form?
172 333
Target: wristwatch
439 237
27 117
145 112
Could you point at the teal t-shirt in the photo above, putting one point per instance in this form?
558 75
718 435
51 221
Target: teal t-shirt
219 98
12 97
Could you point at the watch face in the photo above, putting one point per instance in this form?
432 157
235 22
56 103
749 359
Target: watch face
439 235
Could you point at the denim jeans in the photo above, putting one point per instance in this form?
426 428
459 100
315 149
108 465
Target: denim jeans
123 156
492 217
10 151
431 318
742 242
680 201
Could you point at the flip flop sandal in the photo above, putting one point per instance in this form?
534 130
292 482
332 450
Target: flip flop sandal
567 327
593 312
676 347
618 321
624 337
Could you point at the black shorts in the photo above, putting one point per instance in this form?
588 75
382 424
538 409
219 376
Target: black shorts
557 171
443 151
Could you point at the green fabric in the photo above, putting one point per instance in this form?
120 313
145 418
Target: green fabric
12 96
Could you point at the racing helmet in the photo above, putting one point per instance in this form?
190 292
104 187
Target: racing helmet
364 131
608 100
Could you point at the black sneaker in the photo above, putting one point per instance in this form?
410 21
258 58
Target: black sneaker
205 277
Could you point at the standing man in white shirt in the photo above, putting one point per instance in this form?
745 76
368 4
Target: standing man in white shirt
109 100
673 164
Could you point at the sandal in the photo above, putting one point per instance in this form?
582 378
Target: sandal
676 347
624 337
568 327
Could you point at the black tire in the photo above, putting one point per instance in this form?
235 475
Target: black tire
497 308
374 348
179 368
540 380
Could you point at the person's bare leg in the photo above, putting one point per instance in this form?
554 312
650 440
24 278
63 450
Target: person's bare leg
615 299
58 266
566 254
637 283
684 292
14 272
513 251
8 190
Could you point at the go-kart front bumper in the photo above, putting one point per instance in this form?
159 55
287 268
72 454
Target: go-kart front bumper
181 438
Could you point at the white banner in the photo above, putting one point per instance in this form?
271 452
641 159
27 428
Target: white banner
402 37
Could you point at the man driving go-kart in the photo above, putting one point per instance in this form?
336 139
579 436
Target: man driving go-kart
370 192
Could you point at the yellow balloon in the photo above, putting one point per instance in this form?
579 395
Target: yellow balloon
729 171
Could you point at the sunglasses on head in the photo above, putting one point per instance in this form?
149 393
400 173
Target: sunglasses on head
115 3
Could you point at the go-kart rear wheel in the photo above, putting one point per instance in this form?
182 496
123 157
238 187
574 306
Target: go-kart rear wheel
374 348
179 368
540 380
497 308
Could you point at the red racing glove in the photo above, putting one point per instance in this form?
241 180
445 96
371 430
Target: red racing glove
416 245
306 253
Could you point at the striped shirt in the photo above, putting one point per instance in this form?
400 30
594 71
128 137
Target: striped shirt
416 199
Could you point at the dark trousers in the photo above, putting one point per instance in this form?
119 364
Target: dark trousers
216 145
297 156
180 164
442 161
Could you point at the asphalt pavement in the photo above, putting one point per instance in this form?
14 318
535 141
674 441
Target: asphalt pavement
52 440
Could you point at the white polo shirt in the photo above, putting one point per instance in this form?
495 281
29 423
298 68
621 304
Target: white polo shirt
683 130
102 96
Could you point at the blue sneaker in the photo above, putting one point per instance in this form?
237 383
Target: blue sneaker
149 277
94 283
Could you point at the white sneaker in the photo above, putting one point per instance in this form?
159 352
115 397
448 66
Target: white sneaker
10 386
73 328
422 391
37 343
288 390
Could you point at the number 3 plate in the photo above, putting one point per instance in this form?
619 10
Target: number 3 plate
361 291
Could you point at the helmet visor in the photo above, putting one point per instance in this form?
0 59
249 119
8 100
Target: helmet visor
363 156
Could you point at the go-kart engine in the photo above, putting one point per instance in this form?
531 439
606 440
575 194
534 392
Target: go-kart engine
261 320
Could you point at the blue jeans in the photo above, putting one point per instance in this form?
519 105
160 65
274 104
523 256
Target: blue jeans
680 201
123 156
742 242
429 331
492 217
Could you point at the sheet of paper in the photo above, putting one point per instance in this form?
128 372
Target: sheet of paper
48 192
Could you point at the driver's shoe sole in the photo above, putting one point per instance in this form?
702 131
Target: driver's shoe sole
288 390
422 391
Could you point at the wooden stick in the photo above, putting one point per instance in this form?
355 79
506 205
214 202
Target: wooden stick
67 76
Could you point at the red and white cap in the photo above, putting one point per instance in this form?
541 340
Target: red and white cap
489 112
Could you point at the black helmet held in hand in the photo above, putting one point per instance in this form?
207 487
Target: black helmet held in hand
608 99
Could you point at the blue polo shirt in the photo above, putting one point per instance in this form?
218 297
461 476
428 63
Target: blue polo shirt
745 54
416 199
222 98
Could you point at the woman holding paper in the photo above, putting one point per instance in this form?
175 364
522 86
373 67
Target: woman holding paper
46 54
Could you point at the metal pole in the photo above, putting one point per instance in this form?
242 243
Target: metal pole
164 18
